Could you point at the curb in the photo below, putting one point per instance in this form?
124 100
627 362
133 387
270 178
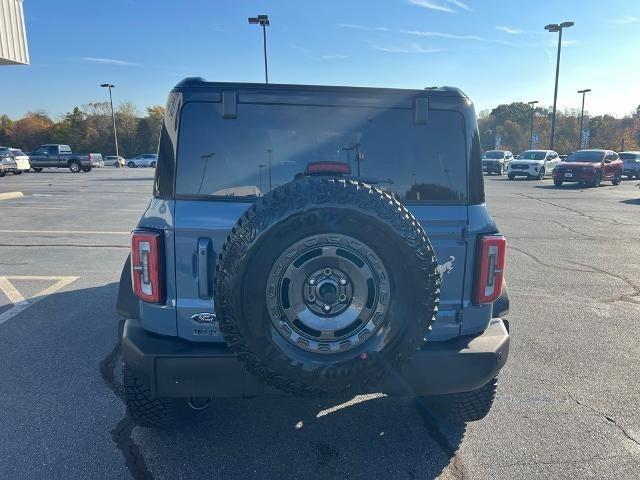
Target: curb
10 195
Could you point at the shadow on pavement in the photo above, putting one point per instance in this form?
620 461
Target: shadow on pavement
631 201
300 438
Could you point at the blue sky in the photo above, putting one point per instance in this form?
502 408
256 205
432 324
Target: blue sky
495 50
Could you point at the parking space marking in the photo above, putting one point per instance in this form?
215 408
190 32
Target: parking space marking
18 300
10 291
67 232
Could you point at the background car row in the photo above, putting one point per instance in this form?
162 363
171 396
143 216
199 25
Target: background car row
14 160
587 167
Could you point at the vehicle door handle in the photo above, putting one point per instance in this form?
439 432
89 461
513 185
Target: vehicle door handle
204 255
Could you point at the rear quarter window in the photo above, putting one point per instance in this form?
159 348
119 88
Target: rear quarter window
268 145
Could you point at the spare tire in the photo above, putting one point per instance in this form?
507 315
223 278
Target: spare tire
325 285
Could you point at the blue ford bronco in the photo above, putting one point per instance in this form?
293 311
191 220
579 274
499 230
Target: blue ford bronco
314 240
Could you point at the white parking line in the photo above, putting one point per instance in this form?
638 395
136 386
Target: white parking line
20 303
10 291
67 232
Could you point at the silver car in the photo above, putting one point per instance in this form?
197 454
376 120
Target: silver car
631 164
143 160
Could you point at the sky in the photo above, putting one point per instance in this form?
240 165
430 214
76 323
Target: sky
496 51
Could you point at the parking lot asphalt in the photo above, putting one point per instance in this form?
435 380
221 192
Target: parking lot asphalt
567 404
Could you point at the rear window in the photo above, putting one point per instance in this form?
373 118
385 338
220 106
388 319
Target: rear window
586 156
494 154
269 145
65 149
18 153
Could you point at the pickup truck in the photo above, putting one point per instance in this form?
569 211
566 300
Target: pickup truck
61 156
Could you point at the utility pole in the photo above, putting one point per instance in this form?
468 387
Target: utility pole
113 117
263 21
583 92
554 27
270 184
532 104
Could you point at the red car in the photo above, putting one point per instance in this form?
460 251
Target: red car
589 167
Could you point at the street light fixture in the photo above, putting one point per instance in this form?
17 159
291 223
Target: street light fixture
113 117
263 21
554 27
583 92
532 104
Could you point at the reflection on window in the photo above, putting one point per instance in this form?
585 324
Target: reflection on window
270 145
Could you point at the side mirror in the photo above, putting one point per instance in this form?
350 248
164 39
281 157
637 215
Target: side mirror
607 160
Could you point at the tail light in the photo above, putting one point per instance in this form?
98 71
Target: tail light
146 265
490 265
328 168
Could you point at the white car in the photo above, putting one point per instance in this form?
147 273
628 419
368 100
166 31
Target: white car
22 161
144 160
533 164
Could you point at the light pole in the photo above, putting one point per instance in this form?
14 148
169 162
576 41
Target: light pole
260 167
113 117
532 104
270 151
262 20
583 92
554 27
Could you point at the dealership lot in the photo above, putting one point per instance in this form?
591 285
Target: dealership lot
568 397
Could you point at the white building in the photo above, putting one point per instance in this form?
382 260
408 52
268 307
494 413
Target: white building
13 36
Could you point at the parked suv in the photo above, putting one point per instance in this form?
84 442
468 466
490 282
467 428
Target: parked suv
496 161
308 241
589 167
533 164
631 164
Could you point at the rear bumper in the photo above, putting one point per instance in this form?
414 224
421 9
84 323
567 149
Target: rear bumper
497 168
576 176
178 368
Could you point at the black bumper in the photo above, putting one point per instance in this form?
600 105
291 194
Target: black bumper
177 368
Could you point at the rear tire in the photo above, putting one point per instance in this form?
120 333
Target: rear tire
2 173
37 169
465 406
511 177
131 165
153 412
17 172
74 167
557 183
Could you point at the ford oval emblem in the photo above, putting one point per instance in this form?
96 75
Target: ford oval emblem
205 317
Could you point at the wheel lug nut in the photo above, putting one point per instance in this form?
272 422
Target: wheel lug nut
343 281
327 308
312 281
327 272
342 297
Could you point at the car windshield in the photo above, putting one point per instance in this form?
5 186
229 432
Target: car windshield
494 154
629 156
532 155
270 145
592 156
